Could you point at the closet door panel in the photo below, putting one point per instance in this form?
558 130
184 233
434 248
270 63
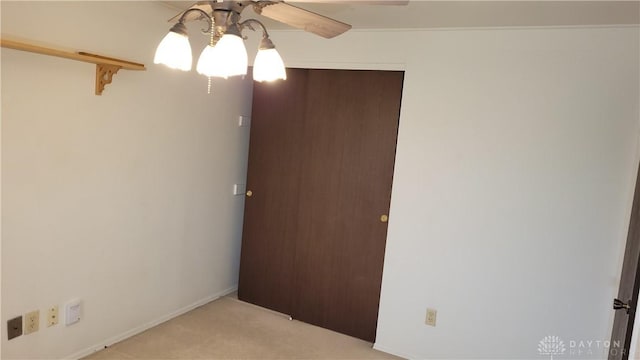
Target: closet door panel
350 139
270 225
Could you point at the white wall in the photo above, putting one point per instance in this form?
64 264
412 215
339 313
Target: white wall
515 166
123 200
516 158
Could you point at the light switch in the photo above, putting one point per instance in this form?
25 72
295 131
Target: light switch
244 120
239 189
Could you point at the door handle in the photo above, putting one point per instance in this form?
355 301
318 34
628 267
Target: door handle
249 193
618 304
384 218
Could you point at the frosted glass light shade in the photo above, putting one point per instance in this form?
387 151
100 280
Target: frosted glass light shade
174 51
232 59
208 62
268 66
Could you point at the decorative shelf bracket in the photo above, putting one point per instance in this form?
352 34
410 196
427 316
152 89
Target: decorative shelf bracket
104 75
106 67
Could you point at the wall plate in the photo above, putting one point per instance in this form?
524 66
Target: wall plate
72 312
52 316
14 327
31 322
431 317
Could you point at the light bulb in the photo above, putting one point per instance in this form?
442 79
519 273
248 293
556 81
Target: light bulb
174 50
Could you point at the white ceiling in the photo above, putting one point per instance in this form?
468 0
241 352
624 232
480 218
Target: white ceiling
454 14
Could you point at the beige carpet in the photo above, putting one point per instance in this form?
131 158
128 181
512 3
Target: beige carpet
231 329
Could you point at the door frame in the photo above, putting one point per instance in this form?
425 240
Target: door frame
633 323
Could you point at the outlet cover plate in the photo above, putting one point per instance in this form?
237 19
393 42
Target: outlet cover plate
431 317
31 322
14 327
52 316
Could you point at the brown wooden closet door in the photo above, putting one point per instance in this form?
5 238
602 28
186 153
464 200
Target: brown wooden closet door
321 159
350 140
270 226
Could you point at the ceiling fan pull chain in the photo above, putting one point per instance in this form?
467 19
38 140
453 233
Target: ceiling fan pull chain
212 43
212 31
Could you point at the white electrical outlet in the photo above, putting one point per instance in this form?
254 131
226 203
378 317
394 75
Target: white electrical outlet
31 322
52 316
431 317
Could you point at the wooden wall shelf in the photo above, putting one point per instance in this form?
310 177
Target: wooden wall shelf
106 67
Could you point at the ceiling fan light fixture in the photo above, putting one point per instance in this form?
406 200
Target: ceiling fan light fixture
268 65
232 58
226 56
174 50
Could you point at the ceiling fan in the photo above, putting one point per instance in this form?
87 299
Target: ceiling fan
226 55
294 16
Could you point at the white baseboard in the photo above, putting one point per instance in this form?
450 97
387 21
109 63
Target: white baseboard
392 351
108 342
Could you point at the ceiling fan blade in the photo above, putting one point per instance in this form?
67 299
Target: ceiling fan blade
202 5
303 19
355 2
